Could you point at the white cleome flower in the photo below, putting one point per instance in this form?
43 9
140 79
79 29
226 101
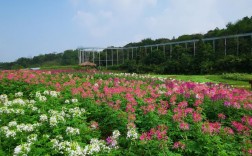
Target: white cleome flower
53 121
116 134
42 98
132 133
74 100
12 124
43 118
19 94
72 131
3 98
32 138
19 101
54 93
67 101
46 92
22 149
25 128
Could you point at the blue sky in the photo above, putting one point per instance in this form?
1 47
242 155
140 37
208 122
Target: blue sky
32 27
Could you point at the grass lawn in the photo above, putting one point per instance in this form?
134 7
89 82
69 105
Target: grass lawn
209 78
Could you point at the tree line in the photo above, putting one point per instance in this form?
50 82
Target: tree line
207 59
68 57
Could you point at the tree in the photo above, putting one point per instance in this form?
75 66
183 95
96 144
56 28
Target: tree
70 57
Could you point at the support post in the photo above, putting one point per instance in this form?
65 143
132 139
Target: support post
214 46
170 50
164 49
128 53
106 58
83 56
123 55
237 48
194 49
132 50
79 56
251 44
117 55
112 57
93 55
99 58
225 46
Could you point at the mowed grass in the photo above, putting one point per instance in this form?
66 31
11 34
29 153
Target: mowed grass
209 78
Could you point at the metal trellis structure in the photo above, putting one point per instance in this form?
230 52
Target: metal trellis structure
111 56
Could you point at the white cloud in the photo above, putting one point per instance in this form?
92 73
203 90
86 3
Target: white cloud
75 2
133 20
184 16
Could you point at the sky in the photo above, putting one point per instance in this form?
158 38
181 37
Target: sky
32 27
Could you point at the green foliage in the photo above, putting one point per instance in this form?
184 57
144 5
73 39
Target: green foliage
237 76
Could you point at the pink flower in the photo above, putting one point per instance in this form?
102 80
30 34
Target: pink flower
178 144
109 140
143 136
228 130
183 104
94 125
247 120
239 126
184 126
221 116
196 117
211 128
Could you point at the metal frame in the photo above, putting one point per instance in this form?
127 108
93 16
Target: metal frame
85 52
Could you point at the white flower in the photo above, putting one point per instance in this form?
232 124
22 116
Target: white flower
34 108
43 118
32 101
19 94
32 138
19 101
12 124
45 136
72 131
42 98
53 121
132 133
19 111
8 103
74 100
116 134
67 101
22 149
54 93
38 94
25 128
76 111
46 92
10 133
17 150
3 98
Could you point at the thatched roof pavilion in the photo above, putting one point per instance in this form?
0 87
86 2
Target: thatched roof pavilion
87 63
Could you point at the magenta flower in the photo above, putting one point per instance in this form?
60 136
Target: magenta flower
221 116
184 126
178 144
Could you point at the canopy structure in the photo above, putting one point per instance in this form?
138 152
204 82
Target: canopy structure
111 56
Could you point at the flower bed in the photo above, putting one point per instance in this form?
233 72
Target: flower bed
92 113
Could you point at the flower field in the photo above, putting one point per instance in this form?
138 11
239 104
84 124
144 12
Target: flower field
92 113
